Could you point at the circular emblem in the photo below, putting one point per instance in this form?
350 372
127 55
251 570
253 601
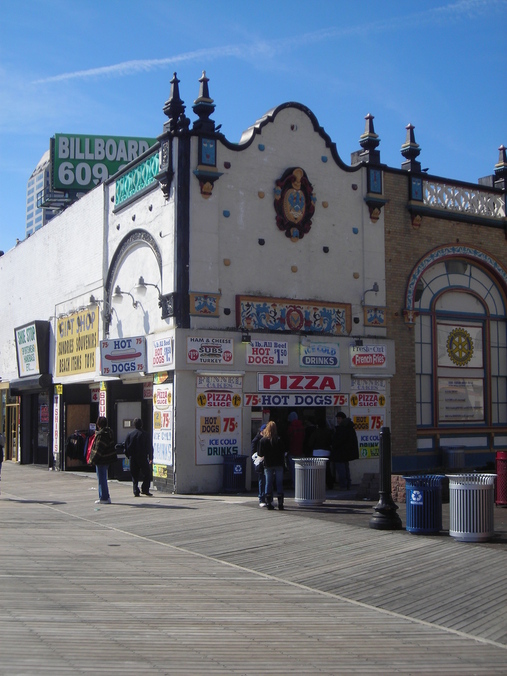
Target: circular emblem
460 347
381 400
354 400
294 319
416 497
202 399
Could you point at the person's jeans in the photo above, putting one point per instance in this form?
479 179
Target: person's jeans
262 487
102 478
271 474
343 472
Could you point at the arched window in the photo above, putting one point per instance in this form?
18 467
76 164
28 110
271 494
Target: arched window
461 346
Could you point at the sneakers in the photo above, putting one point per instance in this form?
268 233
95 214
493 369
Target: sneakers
262 504
148 494
103 502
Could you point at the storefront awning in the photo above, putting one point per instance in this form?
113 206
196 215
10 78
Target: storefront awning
23 385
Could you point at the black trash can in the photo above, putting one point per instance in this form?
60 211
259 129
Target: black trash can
424 503
234 473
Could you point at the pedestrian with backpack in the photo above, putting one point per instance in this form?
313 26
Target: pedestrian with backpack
102 455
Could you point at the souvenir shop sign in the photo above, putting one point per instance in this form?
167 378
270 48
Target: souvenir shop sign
123 355
160 353
27 350
280 382
368 356
77 339
210 350
162 427
267 353
319 354
303 399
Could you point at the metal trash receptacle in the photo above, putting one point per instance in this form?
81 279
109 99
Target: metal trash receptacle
471 507
234 473
310 481
501 479
424 503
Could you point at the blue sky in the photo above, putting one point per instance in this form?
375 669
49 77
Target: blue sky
104 67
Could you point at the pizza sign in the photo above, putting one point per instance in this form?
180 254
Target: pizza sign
367 399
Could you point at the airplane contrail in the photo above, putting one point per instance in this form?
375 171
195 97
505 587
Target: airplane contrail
265 48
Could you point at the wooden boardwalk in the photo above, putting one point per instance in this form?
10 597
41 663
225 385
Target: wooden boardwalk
214 585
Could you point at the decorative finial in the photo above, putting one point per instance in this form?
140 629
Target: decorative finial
203 107
410 150
369 140
174 108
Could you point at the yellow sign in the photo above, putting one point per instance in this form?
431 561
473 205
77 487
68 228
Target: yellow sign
160 471
77 339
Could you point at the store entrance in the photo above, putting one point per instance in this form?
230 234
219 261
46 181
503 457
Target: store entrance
11 431
309 418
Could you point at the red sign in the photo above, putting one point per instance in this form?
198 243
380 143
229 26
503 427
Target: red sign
278 382
368 355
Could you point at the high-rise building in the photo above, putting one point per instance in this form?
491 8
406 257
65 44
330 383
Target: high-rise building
36 216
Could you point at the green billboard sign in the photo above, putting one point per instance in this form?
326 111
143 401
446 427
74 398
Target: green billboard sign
81 162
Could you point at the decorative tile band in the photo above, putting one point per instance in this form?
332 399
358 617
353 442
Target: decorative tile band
137 179
283 314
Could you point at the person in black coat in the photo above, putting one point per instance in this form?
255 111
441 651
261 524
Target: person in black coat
345 448
139 449
272 451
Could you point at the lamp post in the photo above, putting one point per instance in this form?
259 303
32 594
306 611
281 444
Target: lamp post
385 517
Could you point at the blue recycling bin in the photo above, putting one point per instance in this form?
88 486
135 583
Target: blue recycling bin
234 473
424 503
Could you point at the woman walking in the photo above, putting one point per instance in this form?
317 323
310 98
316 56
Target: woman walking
271 450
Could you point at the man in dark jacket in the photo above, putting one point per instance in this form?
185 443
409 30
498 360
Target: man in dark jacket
345 448
139 449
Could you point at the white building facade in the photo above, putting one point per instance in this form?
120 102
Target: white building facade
207 288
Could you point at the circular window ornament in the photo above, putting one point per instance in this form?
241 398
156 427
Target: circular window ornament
460 347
